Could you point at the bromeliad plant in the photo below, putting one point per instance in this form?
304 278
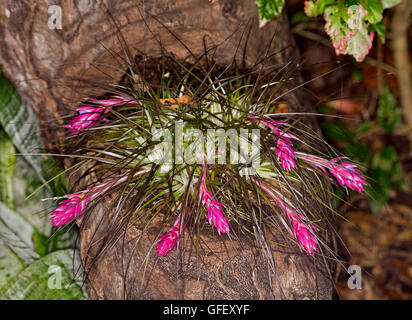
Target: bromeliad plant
289 192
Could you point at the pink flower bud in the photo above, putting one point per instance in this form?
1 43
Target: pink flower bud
303 231
306 239
284 150
169 239
285 153
348 175
215 213
75 203
88 115
69 209
345 173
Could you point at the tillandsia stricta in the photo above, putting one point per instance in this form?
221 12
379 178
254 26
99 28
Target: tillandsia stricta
200 146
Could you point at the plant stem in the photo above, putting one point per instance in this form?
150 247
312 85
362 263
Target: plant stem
400 25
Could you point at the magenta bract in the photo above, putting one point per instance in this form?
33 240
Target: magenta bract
169 239
215 213
88 114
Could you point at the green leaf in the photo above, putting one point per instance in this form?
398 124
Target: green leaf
17 234
388 113
365 127
374 8
389 3
357 76
315 8
358 151
10 265
385 159
299 17
337 130
386 174
32 208
378 191
49 278
359 39
7 158
20 124
64 239
380 29
41 244
346 26
269 9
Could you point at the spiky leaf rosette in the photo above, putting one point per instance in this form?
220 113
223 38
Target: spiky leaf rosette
206 145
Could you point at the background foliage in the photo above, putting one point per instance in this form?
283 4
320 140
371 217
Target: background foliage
36 262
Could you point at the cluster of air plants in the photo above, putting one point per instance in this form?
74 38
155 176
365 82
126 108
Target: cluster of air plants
151 177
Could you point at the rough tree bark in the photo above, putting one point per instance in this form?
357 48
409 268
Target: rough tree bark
45 65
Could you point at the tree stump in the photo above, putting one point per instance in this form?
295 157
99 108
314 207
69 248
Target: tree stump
53 69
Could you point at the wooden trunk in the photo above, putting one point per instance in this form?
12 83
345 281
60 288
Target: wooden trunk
51 69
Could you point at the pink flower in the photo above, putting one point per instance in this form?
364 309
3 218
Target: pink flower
69 209
348 175
284 150
75 203
306 239
345 173
215 213
302 230
285 153
169 239
88 114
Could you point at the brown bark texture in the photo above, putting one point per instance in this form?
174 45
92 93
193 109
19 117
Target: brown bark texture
51 69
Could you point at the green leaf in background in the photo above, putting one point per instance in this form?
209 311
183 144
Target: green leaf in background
269 9
385 159
386 174
7 158
336 130
380 30
49 278
389 3
20 124
17 233
365 127
357 36
388 113
374 8
299 17
34 210
30 251
358 151
315 8
351 24
10 265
